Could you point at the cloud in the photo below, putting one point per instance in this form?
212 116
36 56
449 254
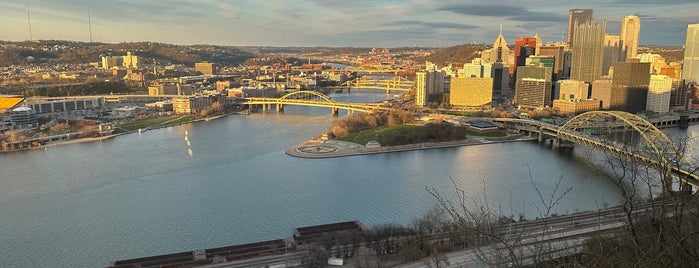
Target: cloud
443 25
511 12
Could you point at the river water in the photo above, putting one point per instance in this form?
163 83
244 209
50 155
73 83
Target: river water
137 195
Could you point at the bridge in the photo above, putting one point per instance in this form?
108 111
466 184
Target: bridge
312 98
608 131
366 82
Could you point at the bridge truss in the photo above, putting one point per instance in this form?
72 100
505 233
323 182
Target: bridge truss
313 98
629 136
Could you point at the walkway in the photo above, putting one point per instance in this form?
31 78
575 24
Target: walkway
315 148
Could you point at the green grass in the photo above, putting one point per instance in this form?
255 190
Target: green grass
154 121
410 130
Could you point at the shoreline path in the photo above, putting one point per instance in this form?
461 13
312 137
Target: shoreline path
315 148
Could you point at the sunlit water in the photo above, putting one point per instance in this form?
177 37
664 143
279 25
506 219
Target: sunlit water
136 195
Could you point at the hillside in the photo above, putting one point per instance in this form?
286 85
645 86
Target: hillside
15 53
456 55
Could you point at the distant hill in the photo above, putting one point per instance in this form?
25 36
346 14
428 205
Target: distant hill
456 55
15 53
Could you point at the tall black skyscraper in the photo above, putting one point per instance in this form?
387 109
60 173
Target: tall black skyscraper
577 17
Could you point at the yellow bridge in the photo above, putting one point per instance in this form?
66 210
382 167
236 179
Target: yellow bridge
396 83
312 98
598 129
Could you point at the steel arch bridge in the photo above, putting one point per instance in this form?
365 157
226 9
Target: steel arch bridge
654 148
313 98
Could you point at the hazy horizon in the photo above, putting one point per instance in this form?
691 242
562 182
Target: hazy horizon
330 23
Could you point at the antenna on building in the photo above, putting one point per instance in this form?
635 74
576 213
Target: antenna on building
29 21
89 23
500 28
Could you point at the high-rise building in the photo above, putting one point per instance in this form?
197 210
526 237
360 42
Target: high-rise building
112 61
500 51
679 95
690 70
501 78
429 85
658 100
588 47
475 68
613 52
556 52
471 91
572 90
577 17
532 44
630 28
602 90
205 68
657 62
521 57
533 87
130 61
566 62
630 86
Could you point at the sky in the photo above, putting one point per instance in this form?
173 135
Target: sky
337 23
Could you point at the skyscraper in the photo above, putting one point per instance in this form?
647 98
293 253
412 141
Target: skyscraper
533 87
630 86
658 100
577 17
690 70
557 53
588 48
630 28
613 52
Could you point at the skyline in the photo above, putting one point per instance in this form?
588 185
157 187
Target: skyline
334 23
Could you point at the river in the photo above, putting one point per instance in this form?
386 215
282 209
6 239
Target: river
136 195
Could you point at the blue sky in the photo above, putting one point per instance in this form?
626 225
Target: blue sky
359 23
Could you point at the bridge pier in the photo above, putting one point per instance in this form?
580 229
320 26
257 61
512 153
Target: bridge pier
280 108
559 144
334 111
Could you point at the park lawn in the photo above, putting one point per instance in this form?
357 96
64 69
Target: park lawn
154 121
365 136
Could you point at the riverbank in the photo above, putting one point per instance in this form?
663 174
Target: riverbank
106 137
317 148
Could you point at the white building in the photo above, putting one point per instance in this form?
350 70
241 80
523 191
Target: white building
658 100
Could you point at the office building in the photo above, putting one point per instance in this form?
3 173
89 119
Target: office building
630 86
500 51
679 95
130 61
572 90
205 68
56 105
533 87
429 85
574 107
630 29
690 69
613 52
192 104
657 62
530 45
471 91
658 100
475 68
602 90
556 52
112 61
501 78
587 48
575 18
